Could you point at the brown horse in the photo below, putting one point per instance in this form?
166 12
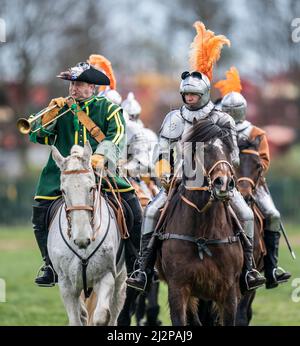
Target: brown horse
201 257
249 177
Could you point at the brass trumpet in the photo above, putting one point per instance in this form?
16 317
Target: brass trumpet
24 125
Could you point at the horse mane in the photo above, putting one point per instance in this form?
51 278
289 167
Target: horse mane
247 143
206 130
77 150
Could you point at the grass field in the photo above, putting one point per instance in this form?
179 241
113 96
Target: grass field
27 304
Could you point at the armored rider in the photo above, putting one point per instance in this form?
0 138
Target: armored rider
234 104
195 91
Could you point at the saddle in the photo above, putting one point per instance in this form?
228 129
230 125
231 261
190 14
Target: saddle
125 220
143 198
52 211
174 185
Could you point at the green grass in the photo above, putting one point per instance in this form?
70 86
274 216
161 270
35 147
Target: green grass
27 304
275 307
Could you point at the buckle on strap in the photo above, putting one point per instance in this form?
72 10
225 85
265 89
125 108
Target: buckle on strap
95 131
202 247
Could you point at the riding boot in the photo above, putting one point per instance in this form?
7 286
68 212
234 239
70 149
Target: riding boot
49 277
251 278
141 278
274 275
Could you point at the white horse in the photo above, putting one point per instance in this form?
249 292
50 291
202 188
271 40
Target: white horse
83 225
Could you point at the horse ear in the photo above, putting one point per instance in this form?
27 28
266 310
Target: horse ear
87 152
57 157
256 142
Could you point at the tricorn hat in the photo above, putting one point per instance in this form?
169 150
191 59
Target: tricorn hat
84 72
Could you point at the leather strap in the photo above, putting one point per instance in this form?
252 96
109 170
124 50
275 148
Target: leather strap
84 261
247 179
80 207
200 242
250 151
76 171
193 205
85 120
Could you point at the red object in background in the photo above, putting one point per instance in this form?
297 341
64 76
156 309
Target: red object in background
280 138
39 96
9 141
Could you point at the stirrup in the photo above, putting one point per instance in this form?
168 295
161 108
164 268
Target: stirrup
42 269
134 275
248 272
281 271
155 278
136 266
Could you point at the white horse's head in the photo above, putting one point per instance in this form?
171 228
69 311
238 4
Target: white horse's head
78 186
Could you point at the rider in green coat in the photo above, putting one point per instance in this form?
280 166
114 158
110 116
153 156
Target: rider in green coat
65 131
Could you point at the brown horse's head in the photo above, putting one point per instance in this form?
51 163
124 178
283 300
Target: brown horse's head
250 167
218 168
214 159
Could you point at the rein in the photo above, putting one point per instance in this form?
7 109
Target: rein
205 188
249 180
250 151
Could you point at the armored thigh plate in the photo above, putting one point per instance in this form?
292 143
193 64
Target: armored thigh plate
266 206
243 212
152 212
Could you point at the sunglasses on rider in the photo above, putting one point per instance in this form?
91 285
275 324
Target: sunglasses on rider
84 65
186 74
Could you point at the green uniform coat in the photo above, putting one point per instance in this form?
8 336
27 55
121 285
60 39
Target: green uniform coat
67 131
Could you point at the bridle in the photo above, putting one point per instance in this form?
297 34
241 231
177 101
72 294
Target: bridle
91 208
208 174
202 242
71 208
208 187
249 180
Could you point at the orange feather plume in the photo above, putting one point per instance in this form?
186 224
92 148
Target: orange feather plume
231 83
206 49
100 62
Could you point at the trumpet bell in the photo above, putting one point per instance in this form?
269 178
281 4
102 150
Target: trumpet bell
24 126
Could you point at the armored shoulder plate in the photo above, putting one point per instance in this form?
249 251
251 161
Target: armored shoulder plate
133 130
172 126
245 125
217 115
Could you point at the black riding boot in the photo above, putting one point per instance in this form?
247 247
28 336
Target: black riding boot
251 278
141 278
273 274
49 277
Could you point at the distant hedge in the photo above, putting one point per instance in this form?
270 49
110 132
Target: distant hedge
16 198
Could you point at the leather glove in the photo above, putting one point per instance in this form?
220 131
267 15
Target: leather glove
163 172
166 181
59 102
98 161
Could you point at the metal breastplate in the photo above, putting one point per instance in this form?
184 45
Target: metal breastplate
137 143
190 116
